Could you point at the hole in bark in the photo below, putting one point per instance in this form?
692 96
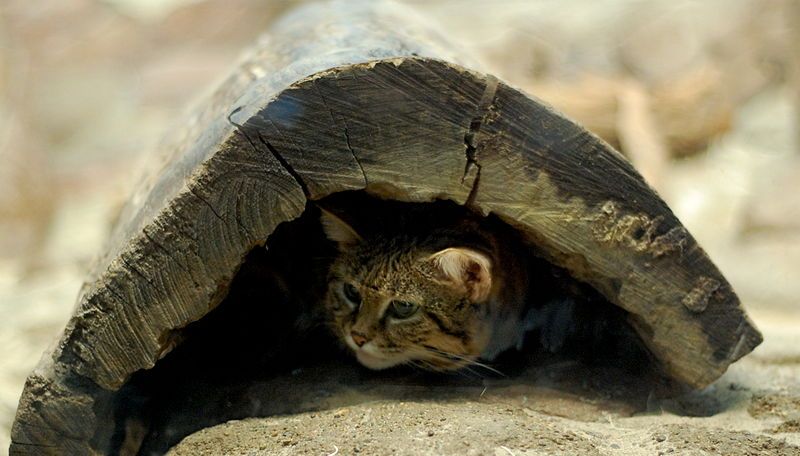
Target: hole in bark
263 351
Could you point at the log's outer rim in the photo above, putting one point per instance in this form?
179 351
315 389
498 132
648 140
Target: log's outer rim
753 337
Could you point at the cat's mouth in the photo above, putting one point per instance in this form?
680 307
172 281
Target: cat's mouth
376 362
371 356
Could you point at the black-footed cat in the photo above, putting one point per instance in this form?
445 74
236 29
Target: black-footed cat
429 285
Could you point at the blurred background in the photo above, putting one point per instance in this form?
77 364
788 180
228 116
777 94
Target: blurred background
703 96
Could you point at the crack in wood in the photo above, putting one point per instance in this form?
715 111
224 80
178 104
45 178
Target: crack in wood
40 445
239 223
136 271
169 255
346 131
197 195
484 107
352 151
473 192
289 168
114 293
240 129
286 166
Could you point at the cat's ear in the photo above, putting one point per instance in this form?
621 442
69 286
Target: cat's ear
465 269
338 230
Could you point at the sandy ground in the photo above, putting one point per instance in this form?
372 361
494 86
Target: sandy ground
564 409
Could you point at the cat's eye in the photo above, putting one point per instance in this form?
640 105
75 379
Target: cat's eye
351 294
402 309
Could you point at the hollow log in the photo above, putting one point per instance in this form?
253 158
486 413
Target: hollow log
364 96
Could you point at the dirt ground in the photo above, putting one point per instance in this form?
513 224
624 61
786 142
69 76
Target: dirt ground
561 409
702 95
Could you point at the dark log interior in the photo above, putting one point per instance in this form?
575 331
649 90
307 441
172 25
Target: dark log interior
263 352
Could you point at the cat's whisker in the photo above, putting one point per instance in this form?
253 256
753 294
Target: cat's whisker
463 369
467 360
486 367
428 365
422 365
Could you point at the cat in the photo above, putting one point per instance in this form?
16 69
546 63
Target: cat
431 285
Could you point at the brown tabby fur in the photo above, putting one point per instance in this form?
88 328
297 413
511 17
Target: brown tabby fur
391 255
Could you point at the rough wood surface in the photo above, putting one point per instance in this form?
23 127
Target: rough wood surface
345 96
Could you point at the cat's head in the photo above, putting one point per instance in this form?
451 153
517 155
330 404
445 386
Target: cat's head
392 300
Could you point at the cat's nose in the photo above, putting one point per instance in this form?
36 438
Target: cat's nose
358 338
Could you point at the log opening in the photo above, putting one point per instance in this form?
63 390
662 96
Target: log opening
263 352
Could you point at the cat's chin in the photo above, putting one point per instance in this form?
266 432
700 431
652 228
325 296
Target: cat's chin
375 362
